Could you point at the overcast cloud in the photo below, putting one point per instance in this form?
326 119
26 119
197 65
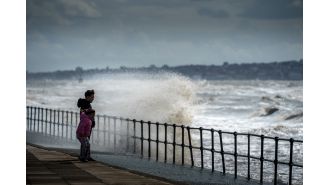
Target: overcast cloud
64 34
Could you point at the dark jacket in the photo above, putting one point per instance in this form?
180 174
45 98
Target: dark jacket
83 104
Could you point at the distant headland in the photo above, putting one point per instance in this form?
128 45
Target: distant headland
285 70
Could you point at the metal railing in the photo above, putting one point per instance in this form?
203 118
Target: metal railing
216 150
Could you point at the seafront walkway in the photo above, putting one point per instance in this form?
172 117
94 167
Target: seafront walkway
45 166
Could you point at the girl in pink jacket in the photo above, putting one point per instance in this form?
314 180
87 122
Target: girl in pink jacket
83 133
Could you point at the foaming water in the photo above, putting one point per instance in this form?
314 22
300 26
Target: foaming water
243 106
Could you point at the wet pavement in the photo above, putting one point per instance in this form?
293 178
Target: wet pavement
52 167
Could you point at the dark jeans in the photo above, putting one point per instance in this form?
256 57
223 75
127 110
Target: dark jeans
85 150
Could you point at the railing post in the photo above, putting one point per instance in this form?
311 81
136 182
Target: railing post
174 143
30 118
34 119
190 148
54 122
50 121
212 148
38 119
222 153
30 123
71 124
141 138
248 174
134 135
276 161
115 133
67 125
104 129
149 140
121 135
42 120
109 131
165 145
262 159
98 129
182 144
58 122
235 153
51 117
291 162
62 124
77 121
46 121
127 135
157 140
201 146
27 117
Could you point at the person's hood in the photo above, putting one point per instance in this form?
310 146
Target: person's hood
82 102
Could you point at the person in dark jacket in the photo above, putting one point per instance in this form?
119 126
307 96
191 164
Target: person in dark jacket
85 104
83 133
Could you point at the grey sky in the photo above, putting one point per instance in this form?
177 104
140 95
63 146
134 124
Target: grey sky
64 34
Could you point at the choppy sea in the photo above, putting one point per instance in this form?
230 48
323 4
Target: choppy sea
271 108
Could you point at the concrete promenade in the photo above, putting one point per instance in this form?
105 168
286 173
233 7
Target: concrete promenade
46 165
52 167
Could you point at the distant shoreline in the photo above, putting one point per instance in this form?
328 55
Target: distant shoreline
286 70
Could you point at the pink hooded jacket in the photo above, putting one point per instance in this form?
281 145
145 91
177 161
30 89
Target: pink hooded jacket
85 126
